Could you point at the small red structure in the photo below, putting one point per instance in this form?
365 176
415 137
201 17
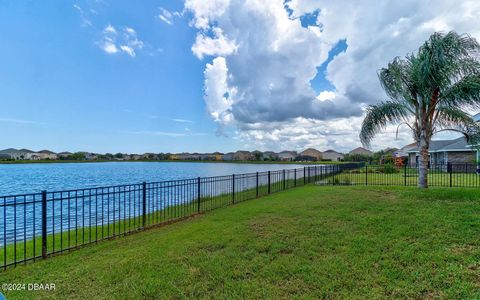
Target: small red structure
400 161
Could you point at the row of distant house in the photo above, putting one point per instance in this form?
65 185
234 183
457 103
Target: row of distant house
309 154
456 151
26 154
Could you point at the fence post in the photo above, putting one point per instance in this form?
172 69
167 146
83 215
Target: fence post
198 194
284 183
233 188
366 174
405 173
295 178
256 192
144 203
44 224
304 175
268 182
450 170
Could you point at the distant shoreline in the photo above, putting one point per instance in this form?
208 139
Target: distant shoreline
21 162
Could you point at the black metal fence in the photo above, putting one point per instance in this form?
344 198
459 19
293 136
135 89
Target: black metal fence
34 226
439 175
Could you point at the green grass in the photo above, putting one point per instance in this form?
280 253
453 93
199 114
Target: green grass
83 235
310 242
373 177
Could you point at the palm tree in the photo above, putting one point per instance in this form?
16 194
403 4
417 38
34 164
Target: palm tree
429 92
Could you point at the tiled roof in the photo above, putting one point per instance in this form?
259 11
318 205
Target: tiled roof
331 151
26 150
310 151
459 144
46 152
361 150
11 150
8 151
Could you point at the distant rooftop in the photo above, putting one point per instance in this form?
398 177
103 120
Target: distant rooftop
331 151
12 150
459 144
361 150
46 152
26 150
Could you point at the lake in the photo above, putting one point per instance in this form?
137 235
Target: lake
33 178
125 198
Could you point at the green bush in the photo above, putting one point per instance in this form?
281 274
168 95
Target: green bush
387 169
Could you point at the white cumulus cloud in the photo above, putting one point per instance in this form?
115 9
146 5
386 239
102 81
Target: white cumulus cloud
217 92
218 44
263 61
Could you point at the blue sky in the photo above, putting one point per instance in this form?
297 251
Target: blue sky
59 90
204 75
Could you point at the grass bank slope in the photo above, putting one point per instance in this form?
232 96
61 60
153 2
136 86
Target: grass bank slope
311 242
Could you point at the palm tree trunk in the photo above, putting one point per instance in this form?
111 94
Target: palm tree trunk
423 164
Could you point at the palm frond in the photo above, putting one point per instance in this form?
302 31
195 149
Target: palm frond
450 117
455 119
465 92
441 59
429 89
394 78
378 116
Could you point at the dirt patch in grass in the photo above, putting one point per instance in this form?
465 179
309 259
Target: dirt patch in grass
212 247
463 249
266 226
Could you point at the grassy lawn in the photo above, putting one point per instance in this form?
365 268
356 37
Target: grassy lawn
74 238
310 242
435 178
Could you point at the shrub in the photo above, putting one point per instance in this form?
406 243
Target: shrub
387 169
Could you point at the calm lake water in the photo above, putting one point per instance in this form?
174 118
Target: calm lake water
33 178
21 220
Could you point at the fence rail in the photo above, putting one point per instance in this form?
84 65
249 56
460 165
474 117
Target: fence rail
35 226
